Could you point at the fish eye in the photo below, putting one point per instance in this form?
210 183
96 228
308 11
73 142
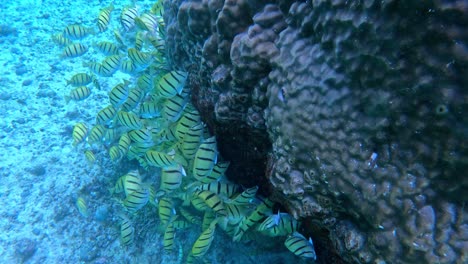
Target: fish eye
441 109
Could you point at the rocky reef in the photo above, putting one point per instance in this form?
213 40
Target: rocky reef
350 114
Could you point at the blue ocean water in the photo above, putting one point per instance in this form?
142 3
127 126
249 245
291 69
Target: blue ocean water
57 206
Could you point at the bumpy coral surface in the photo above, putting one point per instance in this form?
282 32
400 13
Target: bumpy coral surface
352 112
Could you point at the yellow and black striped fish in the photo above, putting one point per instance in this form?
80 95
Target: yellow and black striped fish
189 216
218 171
127 66
160 64
74 50
77 31
110 65
173 107
134 97
171 84
205 159
127 17
145 82
128 183
260 213
119 93
147 21
141 59
186 91
95 67
190 118
127 231
181 224
213 201
143 137
235 213
119 37
247 197
165 210
106 115
178 157
124 143
78 94
190 258
137 151
169 234
227 226
203 243
199 204
168 133
191 141
61 40
129 120
220 188
153 196
208 218
185 197
149 109
281 224
171 177
80 79
132 182
158 8
158 43
104 17
136 200
107 48
114 153
80 131
119 185
300 246
96 134
159 159
140 40
111 135
90 156
82 207
161 27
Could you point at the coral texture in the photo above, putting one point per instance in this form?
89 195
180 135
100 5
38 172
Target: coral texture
351 112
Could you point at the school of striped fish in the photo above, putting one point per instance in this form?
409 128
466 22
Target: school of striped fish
149 118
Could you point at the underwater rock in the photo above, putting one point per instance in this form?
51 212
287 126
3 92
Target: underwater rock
88 253
36 231
46 92
6 30
25 248
101 260
102 213
4 96
27 82
20 69
37 170
348 113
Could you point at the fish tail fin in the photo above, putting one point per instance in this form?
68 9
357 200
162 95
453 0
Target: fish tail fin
92 31
96 84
